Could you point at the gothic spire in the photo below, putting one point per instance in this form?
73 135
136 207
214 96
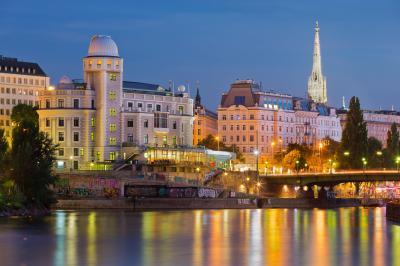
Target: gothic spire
317 82
197 101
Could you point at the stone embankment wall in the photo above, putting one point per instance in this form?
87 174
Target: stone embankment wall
156 203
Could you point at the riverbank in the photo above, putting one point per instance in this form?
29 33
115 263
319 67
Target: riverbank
25 212
198 203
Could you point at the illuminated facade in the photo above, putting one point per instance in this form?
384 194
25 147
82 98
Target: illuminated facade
266 122
20 82
96 120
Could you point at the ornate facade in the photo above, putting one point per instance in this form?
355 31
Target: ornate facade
97 119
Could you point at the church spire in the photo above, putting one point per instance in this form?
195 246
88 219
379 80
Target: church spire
197 100
317 82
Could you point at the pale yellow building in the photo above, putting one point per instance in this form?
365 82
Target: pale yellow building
20 83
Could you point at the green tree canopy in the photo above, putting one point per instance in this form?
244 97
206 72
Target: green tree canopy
32 156
354 137
392 141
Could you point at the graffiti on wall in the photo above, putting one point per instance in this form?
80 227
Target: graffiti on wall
84 187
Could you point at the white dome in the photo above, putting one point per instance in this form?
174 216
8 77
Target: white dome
102 45
65 80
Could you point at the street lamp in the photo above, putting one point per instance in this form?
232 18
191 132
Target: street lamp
217 139
397 162
364 161
198 176
346 153
379 154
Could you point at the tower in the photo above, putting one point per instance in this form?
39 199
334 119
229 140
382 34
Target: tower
316 89
103 73
197 100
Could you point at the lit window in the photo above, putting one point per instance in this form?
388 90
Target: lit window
113 77
113 127
112 95
93 122
113 141
60 136
113 112
112 156
92 136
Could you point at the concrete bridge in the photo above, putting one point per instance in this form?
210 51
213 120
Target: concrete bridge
305 178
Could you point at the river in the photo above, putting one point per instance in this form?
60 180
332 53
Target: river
345 236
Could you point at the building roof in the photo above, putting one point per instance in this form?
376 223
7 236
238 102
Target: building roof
13 66
146 88
102 45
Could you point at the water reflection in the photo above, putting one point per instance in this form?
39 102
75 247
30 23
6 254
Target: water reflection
347 236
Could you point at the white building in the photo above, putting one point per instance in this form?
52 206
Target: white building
93 119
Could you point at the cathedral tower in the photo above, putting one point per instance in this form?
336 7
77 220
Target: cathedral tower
317 82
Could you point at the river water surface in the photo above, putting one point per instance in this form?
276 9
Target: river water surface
345 236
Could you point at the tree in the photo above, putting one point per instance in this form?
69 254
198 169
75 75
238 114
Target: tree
210 142
294 160
354 137
392 144
3 150
375 154
32 157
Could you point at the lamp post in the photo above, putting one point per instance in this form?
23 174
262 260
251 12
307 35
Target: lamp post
364 161
256 153
198 176
217 139
379 154
397 162
320 155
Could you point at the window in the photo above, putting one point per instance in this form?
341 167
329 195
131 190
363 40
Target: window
251 127
224 117
130 138
60 122
113 141
113 112
92 104
113 77
160 120
60 103
92 136
158 107
146 123
76 103
239 100
99 63
61 152
130 105
149 107
140 105
76 121
146 139
47 122
76 136
113 127
76 152
174 140
180 109
112 156
174 125
60 136
130 123
251 117
165 140
224 127
251 138
93 121
112 95
98 155
81 152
